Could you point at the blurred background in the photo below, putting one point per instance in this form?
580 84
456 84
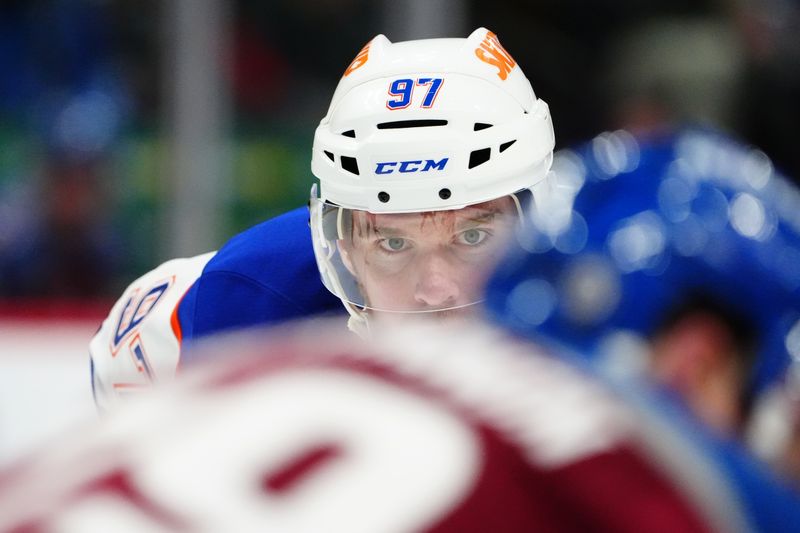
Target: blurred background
136 131
133 131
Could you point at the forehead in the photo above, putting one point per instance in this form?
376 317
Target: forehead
479 212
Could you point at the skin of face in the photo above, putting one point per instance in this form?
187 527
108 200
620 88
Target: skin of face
437 261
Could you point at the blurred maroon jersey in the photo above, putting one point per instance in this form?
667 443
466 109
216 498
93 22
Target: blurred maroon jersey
435 429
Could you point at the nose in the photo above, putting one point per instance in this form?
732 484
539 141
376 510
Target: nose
437 284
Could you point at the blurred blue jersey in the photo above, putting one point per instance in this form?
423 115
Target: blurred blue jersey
636 229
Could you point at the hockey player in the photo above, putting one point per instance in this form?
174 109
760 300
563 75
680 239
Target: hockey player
442 427
670 263
426 159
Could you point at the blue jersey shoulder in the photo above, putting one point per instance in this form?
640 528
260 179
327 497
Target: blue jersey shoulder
264 275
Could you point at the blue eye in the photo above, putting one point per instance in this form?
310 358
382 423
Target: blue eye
473 236
393 244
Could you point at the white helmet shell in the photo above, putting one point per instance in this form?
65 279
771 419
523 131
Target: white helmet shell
431 125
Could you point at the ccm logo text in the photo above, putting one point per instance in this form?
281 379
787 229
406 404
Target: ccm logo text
427 165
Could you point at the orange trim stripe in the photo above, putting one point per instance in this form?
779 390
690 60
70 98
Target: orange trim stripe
131 385
174 322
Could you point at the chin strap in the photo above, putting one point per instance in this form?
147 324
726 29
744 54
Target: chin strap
358 322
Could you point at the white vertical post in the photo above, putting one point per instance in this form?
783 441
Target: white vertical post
197 109
425 19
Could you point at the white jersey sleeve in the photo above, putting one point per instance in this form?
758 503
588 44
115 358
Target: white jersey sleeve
137 344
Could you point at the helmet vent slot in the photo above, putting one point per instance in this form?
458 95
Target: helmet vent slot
349 133
479 157
481 126
350 164
329 154
505 146
421 123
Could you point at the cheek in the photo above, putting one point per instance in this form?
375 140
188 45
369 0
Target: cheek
388 266
485 269
386 291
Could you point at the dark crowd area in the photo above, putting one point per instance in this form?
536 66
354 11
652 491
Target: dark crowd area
84 119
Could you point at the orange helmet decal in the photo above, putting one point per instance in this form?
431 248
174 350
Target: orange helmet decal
491 51
359 61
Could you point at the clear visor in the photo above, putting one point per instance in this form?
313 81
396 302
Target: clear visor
411 262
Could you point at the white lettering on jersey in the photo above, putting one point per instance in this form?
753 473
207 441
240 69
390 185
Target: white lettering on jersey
377 453
317 431
367 445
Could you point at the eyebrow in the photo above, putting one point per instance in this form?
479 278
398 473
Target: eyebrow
383 231
484 217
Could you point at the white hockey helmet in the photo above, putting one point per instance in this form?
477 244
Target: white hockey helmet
422 126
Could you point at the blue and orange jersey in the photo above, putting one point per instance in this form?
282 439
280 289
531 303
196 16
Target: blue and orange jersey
263 276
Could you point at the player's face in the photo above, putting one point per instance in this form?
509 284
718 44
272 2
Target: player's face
433 261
